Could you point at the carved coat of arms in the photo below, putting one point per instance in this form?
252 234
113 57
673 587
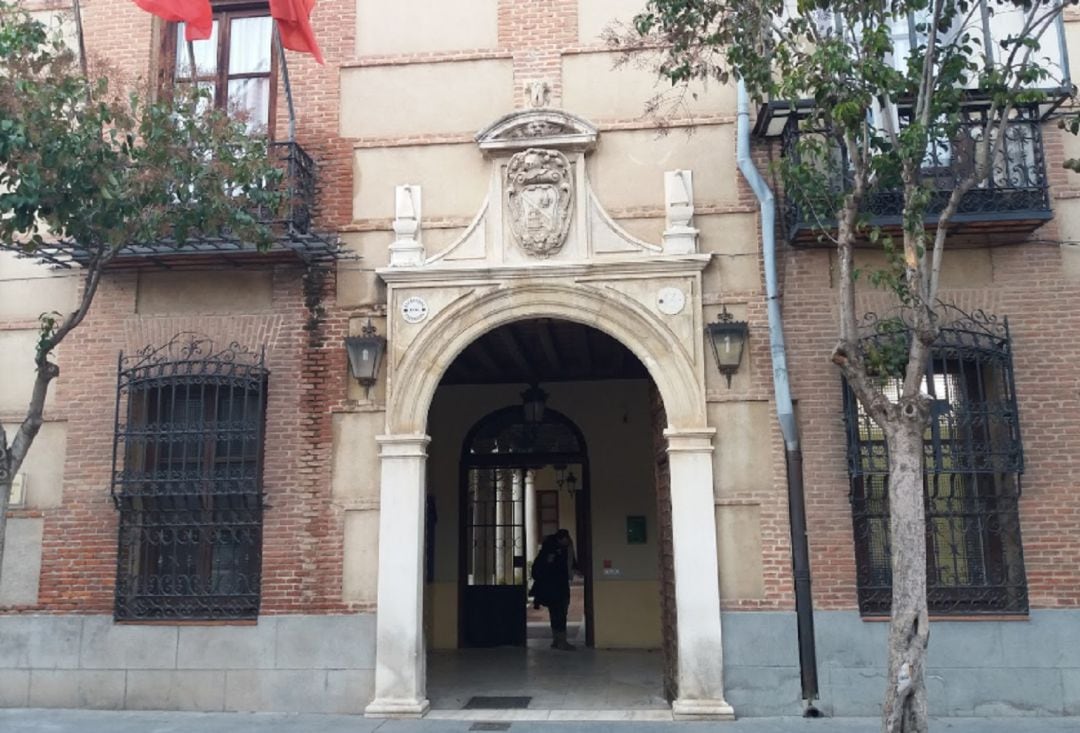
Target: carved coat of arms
539 198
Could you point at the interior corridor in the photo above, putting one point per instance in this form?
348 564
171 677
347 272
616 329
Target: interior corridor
623 683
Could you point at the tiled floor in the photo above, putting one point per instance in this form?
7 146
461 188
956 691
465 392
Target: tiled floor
603 681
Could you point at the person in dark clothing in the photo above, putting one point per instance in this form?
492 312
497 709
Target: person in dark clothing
552 571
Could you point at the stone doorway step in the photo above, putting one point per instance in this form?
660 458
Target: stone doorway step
553 715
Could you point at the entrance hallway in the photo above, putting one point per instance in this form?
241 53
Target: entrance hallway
588 680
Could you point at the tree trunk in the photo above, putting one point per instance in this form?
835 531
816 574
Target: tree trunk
7 478
905 709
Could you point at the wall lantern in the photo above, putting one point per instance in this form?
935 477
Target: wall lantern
533 402
728 339
567 481
365 355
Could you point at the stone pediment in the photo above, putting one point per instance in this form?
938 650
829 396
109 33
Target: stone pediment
537 128
540 210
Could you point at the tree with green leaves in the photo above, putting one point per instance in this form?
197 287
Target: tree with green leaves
87 169
878 88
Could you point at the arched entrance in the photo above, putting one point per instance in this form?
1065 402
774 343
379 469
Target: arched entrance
541 425
503 517
672 354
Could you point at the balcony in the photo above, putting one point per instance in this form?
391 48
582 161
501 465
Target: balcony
1014 198
295 236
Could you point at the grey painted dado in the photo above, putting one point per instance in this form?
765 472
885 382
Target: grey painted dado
319 664
981 668
326 664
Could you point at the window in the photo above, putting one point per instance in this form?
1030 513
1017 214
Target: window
547 505
235 64
972 463
991 29
189 434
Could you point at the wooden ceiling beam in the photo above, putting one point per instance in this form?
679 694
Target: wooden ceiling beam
479 352
516 351
547 345
584 351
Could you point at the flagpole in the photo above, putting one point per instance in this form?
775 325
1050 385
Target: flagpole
191 63
77 8
288 87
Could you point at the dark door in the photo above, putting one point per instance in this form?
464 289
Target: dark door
495 583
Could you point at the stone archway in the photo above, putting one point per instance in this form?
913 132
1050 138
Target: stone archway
400 681
676 372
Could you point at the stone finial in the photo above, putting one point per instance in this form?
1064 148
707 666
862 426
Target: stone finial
680 236
407 250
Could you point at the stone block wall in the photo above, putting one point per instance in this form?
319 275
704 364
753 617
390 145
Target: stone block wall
287 663
984 668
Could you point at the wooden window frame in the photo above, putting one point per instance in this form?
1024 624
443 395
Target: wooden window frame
224 11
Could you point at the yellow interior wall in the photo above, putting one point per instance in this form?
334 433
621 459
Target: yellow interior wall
631 615
441 615
614 417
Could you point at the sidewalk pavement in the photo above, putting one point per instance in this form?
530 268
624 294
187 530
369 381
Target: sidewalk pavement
95 721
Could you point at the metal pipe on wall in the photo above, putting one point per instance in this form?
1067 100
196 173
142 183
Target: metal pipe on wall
785 411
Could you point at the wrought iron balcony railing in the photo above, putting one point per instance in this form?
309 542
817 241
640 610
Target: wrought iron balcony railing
299 186
293 225
1013 197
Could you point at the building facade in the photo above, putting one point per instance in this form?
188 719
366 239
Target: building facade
218 516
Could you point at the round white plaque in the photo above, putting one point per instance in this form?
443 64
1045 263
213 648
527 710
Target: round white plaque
414 310
670 301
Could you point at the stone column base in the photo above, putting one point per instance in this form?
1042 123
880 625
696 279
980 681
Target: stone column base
385 708
683 709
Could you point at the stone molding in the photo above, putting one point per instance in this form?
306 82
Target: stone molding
677 373
690 441
702 710
543 127
413 445
580 271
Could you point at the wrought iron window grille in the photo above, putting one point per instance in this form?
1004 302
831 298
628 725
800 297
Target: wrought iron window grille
187 480
1016 189
973 462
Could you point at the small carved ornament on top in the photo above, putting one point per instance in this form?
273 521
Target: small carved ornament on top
538 92
539 200
539 128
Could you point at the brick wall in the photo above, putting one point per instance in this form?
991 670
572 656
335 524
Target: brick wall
302 529
668 617
1024 282
536 32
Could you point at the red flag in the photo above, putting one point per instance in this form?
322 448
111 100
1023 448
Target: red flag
294 26
195 14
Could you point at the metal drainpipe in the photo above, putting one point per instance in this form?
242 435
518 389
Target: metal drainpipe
785 412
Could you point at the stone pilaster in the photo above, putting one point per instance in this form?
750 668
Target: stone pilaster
400 665
697 586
